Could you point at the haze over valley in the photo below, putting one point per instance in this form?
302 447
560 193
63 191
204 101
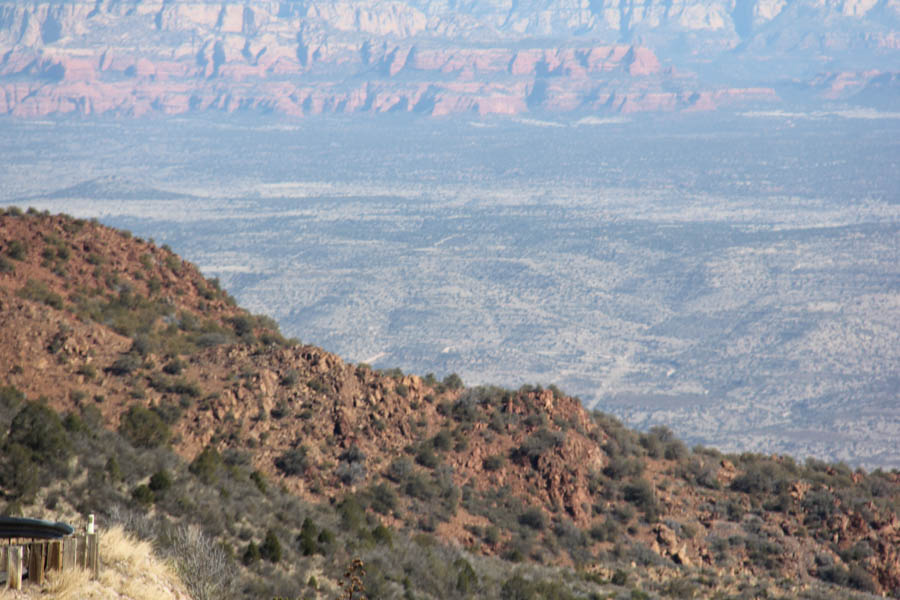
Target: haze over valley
735 278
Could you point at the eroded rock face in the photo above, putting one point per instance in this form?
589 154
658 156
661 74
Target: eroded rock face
486 57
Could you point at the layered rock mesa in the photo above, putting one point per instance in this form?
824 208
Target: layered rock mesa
436 58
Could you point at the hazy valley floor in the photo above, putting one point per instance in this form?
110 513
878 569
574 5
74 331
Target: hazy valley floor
734 278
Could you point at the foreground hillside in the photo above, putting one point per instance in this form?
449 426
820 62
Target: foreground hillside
129 569
117 353
439 58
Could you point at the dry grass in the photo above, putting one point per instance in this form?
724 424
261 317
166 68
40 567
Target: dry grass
129 569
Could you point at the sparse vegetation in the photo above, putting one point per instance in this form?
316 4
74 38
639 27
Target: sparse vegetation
387 474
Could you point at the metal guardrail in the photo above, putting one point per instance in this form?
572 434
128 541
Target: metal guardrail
33 529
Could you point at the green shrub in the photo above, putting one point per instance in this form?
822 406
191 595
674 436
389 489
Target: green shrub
326 540
399 470
537 444
6 266
351 473
465 409
73 423
466 579
259 480
17 473
242 325
160 482
861 579
819 506
112 469
125 365
293 462
174 367
306 540
39 292
607 531
700 471
640 493
519 588
48 253
442 441
290 378
280 410
534 518
352 513
271 547
142 494
144 428
88 371
426 457
17 250
492 534
187 388
168 411
452 382
251 555
623 513
39 429
418 487
382 535
621 467
494 462
762 477
173 263
676 450
205 465
535 420
383 499
11 396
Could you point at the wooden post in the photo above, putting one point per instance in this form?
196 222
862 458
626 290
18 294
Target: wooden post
93 554
14 567
81 554
36 562
54 560
70 553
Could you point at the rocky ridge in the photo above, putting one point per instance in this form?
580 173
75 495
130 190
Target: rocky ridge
93 317
488 58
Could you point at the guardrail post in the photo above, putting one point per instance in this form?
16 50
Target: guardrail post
36 562
54 560
81 554
70 553
14 567
92 554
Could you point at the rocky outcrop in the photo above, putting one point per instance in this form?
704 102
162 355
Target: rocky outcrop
311 57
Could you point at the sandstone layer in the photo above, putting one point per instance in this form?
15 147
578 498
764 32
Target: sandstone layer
298 58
